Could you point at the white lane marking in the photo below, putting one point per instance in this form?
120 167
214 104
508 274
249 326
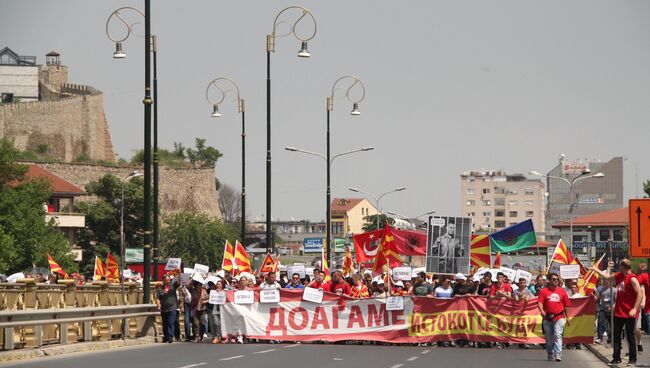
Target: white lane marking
291 346
193 365
233 357
396 365
425 351
412 358
263 351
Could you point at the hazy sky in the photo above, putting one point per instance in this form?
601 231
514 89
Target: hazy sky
451 86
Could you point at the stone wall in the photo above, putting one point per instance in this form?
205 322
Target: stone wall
186 189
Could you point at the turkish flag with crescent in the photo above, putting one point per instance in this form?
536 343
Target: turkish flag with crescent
407 243
366 245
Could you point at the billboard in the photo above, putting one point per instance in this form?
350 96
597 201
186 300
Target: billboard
574 167
313 245
448 244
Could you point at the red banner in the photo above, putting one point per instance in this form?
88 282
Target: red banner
420 319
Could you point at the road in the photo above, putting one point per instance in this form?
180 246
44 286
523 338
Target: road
192 355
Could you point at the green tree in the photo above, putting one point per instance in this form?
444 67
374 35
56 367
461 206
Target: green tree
203 156
196 238
25 238
102 232
370 223
646 188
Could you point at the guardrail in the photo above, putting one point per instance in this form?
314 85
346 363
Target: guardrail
74 324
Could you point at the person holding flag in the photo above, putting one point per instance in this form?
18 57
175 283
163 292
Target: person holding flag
55 268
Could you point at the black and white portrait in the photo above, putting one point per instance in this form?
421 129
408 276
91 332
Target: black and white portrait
448 245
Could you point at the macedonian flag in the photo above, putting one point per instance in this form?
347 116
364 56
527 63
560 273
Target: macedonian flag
479 253
55 268
387 255
228 257
242 263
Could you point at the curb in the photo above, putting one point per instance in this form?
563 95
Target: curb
597 353
24 354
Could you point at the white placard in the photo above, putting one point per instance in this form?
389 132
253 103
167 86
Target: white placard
244 297
402 273
217 297
203 269
212 279
570 272
126 273
394 303
188 270
523 274
509 272
173 264
198 278
309 271
313 295
437 221
299 269
269 296
185 277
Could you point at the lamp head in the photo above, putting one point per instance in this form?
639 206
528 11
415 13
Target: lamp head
304 53
215 111
119 53
400 189
353 189
536 173
586 171
355 109
292 149
598 175
368 148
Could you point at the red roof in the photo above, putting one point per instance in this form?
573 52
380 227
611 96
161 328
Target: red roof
58 185
345 204
616 217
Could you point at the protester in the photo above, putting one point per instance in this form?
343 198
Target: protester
462 286
501 289
359 290
605 300
198 329
644 282
552 303
539 284
421 287
269 282
318 281
485 285
295 282
214 315
444 291
167 303
399 289
338 285
628 299
380 291
522 293
188 309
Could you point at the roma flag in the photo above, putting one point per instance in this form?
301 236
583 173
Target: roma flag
268 265
387 256
228 257
242 263
100 269
587 283
112 268
497 260
55 268
514 238
479 252
347 262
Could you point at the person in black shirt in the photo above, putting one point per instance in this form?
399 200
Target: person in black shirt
167 304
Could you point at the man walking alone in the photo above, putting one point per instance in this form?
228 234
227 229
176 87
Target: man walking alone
552 303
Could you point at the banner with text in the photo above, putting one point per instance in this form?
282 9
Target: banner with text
420 319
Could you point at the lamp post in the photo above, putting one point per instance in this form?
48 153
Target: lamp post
377 199
584 175
134 174
328 162
303 53
215 114
147 101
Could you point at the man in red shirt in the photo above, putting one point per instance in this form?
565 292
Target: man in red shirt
501 289
552 302
338 285
319 280
644 281
628 300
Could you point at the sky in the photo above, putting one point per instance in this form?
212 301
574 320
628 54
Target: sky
451 86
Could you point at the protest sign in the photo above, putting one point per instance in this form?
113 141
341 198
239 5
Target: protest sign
509 272
188 270
296 268
212 279
270 296
523 274
395 303
126 273
244 297
173 264
185 277
217 297
203 269
313 295
402 273
569 272
198 278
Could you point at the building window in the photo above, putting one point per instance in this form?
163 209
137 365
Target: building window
499 213
513 203
512 191
512 213
470 191
499 190
337 228
618 235
471 214
486 178
500 201
513 223
529 203
499 224
603 235
471 179
471 202
529 191
486 190
529 213
487 214
486 202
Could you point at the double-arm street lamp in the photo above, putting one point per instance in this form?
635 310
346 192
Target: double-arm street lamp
572 204
147 102
216 83
377 199
328 195
303 53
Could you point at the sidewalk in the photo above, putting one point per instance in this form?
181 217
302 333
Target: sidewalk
604 352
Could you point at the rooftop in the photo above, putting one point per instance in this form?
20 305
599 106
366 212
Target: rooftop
616 217
58 185
345 204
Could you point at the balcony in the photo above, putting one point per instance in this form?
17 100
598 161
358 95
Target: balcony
66 219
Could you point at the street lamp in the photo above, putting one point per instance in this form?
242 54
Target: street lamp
303 53
134 174
215 114
377 199
572 204
147 101
328 162
409 219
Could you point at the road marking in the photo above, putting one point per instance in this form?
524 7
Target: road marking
263 351
233 357
396 365
193 365
291 346
412 358
425 351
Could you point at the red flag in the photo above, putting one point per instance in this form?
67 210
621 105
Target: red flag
242 263
497 260
366 245
268 265
55 268
347 262
479 253
387 256
112 268
588 282
410 243
228 257
100 269
562 254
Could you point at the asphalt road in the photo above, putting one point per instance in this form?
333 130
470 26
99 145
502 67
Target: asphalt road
192 355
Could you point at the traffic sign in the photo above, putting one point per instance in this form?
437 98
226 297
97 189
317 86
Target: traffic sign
639 237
